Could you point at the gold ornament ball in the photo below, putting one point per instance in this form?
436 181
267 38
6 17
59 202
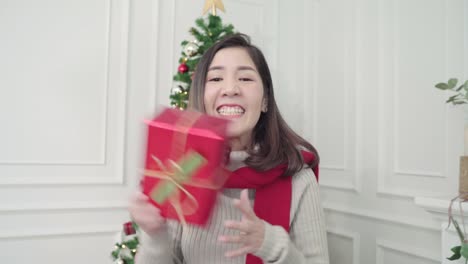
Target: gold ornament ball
191 49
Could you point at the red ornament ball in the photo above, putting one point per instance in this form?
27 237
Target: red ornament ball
183 68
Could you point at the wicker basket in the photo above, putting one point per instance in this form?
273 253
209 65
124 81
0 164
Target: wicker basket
463 181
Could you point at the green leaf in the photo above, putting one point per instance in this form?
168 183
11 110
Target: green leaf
451 98
452 83
442 86
464 250
465 85
454 257
456 250
456 253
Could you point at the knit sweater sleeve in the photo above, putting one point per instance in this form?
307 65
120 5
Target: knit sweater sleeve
306 241
162 248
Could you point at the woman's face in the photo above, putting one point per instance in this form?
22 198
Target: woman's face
234 90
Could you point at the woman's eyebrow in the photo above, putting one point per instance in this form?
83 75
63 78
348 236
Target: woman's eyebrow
240 68
213 68
246 68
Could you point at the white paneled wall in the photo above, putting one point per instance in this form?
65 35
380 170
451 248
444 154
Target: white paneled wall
413 54
67 162
387 134
355 77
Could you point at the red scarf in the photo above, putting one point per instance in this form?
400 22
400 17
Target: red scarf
268 186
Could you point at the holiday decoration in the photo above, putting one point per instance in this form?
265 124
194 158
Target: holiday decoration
177 89
129 228
191 49
207 32
183 68
125 250
185 156
213 5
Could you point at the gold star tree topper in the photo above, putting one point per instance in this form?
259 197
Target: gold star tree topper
213 5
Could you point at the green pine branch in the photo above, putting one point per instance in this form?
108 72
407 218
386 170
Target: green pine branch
131 245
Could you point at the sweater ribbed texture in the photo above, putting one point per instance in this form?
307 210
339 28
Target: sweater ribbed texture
305 243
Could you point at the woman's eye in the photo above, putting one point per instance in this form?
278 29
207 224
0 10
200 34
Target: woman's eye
214 79
245 79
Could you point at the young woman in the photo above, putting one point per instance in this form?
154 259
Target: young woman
273 168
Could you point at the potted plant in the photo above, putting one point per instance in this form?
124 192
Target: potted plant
459 97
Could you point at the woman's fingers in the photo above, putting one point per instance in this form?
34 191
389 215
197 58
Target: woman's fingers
145 215
243 204
250 230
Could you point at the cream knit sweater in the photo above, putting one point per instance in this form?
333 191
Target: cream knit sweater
305 243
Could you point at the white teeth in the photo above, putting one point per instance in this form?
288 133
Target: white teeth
230 110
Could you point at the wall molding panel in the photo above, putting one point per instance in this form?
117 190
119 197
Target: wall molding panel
401 174
383 246
379 217
60 232
108 168
344 174
355 239
68 206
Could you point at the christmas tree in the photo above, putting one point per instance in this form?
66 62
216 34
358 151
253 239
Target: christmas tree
207 32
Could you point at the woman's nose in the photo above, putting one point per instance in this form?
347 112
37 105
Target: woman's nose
231 89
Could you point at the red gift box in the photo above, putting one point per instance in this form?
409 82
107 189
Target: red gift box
186 152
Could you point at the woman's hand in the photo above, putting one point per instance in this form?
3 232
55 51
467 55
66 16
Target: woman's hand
251 229
145 215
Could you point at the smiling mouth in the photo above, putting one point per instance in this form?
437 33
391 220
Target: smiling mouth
230 110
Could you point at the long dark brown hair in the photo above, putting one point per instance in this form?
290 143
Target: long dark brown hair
277 142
